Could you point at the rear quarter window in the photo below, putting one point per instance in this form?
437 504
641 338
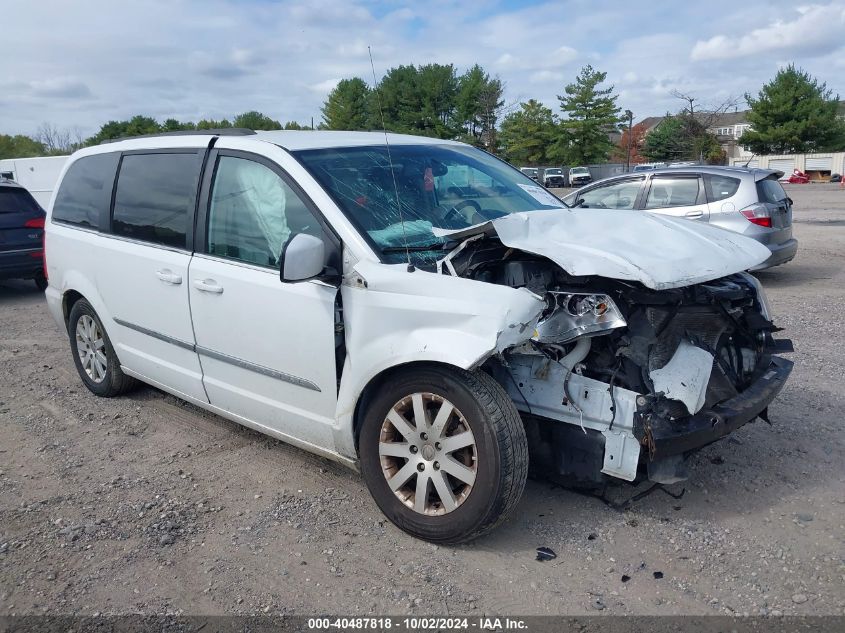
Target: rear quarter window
86 189
155 196
720 187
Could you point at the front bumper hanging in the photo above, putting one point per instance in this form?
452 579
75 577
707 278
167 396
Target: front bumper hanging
673 437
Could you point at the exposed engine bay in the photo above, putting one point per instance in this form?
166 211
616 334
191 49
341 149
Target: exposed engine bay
639 377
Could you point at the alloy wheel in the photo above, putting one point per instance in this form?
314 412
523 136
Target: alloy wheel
428 454
91 347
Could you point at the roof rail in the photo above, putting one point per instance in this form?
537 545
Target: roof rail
226 131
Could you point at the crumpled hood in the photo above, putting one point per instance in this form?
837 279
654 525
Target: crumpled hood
658 251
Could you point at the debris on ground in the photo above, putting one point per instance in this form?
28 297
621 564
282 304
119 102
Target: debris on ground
545 553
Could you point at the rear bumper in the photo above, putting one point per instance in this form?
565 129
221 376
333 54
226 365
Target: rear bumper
781 253
677 437
21 264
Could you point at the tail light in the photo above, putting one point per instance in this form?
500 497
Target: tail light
38 223
758 214
44 253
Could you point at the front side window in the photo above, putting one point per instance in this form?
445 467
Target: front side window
154 197
252 213
85 190
672 192
616 195
445 186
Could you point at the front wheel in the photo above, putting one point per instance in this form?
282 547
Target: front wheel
444 453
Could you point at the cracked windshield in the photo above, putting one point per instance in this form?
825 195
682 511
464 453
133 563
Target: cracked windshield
443 186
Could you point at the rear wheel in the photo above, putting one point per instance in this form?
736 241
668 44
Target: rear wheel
93 354
41 282
443 452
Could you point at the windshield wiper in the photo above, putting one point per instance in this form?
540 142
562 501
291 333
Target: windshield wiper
422 247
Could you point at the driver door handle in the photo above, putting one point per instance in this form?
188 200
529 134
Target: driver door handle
208 285
694 215
169 277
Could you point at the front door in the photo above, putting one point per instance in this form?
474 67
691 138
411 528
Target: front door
267 348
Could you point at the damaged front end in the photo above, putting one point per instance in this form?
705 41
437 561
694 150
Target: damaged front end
624 380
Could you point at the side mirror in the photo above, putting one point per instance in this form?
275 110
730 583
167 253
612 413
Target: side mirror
303 257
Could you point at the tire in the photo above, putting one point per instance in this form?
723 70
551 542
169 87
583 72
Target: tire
498 456
111 381
41 282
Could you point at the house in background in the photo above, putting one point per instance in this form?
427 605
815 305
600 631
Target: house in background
728 127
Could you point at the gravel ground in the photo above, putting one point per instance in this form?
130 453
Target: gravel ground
147 504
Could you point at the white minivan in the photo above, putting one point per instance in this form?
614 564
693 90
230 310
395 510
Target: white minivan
420 310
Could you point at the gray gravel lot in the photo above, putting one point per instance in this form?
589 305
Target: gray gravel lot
147 504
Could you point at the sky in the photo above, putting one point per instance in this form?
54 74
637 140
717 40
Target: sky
77 64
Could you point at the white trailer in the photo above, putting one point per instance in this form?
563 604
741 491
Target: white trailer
38 175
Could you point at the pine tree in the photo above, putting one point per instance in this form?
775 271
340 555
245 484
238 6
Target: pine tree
794 113
591 114
478 102
346 107
526 134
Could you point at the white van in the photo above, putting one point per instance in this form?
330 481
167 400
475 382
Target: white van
427 314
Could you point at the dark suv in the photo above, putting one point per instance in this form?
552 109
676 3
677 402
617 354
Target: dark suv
21 234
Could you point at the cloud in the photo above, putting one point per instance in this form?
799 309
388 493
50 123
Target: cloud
546 76
817 28
324 87
60 89
215 58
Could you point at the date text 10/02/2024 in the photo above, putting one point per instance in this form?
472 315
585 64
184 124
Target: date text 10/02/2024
417 623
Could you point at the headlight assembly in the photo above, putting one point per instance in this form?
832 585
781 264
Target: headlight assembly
765 307
575 314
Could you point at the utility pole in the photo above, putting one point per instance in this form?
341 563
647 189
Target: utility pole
630 116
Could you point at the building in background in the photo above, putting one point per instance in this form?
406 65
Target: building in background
728 128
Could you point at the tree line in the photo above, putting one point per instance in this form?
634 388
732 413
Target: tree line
793 113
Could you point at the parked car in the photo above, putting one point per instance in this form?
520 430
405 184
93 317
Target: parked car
681 163
554 177
579 176
647 166
21 234
747 201
532 172
426 313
